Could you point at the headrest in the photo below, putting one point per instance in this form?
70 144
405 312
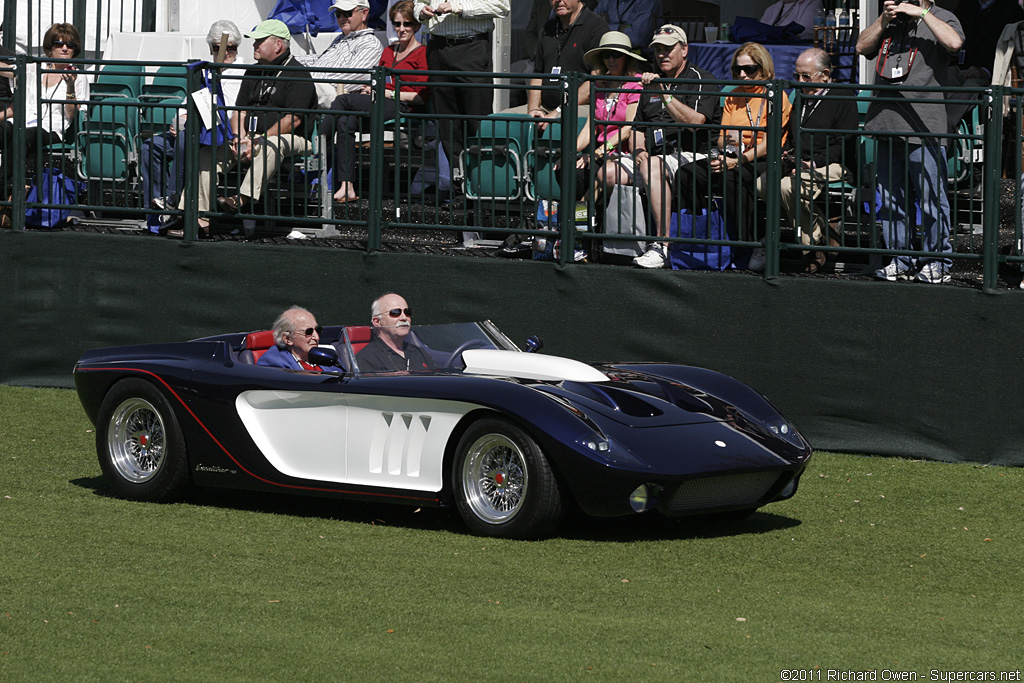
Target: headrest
259 340
359 334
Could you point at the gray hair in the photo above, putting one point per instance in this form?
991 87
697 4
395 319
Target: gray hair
220 27
375 306
822 60
285 324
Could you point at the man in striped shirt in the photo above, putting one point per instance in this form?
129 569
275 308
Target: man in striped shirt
356 48
460 40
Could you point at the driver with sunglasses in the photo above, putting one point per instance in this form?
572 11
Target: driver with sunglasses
295 333
389 350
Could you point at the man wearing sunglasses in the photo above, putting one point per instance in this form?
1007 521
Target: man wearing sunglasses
295 333
356 48
913 44
389 350
824 157
664 143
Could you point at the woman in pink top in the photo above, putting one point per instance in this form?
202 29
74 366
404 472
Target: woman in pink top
615 105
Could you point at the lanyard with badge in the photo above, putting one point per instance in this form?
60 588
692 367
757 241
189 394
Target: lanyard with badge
896 70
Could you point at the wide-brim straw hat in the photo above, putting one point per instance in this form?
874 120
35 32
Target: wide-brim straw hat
612 41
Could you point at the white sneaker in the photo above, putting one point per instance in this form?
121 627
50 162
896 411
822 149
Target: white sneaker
654 257
933 273
892 273
757 259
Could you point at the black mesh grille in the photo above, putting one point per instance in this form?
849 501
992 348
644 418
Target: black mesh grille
725 491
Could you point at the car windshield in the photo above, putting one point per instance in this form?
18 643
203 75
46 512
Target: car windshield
433 347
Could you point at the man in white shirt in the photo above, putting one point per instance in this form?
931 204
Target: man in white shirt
356 48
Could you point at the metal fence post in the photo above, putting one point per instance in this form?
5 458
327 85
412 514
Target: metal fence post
773 179
567 201
191 217
19 150
992 115
375 218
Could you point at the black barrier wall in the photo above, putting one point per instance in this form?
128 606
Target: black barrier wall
885 368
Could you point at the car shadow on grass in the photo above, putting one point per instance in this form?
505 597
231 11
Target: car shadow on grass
576 526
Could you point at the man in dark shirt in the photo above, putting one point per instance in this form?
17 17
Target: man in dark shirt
267 137
389 350
659 152
565 40
824 157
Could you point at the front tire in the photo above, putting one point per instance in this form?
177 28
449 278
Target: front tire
503 484
140 445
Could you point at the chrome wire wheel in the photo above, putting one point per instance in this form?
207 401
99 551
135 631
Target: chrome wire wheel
494 478
136 440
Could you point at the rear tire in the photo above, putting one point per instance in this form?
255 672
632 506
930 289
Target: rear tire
140 445
503 484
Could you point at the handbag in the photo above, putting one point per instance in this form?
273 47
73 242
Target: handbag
705 225
221 132
50 187
624 215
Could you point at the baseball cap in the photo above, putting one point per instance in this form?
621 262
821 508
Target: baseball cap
270 27
669 34
349 5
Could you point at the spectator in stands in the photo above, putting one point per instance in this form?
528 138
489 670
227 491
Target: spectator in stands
914 45
460 40
743 141
162 176
406 55
786 12
658 153
635 18
267 136
295 333
614 56
824 157
52 98
356 48
572 33
982 22
389 350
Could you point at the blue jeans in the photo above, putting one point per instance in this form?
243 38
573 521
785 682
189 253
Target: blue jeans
910 175
161 177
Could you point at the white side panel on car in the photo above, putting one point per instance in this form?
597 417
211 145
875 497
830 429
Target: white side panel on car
354 439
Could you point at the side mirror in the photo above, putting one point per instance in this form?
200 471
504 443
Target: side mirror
324 356
534 344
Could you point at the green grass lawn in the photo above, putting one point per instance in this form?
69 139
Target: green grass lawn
876 564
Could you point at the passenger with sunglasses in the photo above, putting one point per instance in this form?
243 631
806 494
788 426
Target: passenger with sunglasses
824 157
743 141
356 48
406 55
914 45
295 333
53 94
390 350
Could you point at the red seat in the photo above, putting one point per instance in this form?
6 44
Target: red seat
358 336
256 344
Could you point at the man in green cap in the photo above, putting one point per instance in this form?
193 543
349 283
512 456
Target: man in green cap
268 135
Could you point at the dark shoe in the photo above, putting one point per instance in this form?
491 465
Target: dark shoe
231 205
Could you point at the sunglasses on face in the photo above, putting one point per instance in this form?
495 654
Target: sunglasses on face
404 24
61 43
344 12
748 69
805 77
396 312
230 48
308 332
612 55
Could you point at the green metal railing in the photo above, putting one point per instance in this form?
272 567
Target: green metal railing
394 199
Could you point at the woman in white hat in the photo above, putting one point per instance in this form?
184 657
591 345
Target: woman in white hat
616 100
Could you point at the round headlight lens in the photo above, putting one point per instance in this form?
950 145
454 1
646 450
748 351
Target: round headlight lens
640 498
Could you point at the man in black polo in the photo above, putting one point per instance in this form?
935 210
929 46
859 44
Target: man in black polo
389 350
267 137
824 157
658 152
567 37
460 40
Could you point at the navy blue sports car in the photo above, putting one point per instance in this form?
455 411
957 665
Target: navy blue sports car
511 438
